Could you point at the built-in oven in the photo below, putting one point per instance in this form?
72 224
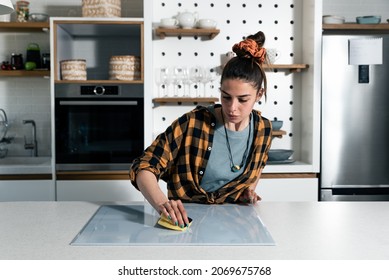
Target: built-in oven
98 127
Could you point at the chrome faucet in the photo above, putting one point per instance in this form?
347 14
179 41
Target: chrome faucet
34 144
3 123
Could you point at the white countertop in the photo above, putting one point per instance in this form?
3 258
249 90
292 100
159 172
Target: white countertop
25 165
301 230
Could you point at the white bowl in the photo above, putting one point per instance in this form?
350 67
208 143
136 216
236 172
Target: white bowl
333 19
206 23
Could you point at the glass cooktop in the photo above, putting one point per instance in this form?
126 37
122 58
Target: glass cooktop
136 224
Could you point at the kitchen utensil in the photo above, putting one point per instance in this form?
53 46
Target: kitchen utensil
273 55
329 19
279 154
34 54
45 61
187 19
369 19
169 23
3 124
38 17
206 23
276 125
16 61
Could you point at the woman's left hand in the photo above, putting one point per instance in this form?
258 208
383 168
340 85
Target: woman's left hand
249 196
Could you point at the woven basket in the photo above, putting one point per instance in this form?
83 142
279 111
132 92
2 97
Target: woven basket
124 67
73 69
101 8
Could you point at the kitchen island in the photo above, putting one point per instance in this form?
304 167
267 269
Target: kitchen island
301 230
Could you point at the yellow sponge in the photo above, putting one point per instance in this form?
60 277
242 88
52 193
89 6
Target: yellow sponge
165 222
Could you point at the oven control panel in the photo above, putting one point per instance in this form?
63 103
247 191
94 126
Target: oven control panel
100 90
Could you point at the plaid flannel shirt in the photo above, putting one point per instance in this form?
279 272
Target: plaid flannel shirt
180 155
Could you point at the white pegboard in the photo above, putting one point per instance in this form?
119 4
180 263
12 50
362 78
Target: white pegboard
281 21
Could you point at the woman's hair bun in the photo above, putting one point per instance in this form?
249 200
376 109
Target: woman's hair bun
252 47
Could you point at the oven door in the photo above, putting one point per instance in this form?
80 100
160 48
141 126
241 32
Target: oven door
98 133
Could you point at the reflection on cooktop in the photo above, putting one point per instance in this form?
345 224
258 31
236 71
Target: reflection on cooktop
136 224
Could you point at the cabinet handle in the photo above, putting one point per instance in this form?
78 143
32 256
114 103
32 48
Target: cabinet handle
98 103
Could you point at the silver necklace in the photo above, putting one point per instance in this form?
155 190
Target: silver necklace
236 167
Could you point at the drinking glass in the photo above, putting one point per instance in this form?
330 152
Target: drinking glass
196 75
186 81
158 80
177 79
166 79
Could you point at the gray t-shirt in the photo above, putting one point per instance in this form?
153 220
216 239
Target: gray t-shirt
218 171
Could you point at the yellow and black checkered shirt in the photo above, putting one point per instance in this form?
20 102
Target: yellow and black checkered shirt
180 155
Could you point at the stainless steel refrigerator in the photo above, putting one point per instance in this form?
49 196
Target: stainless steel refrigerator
355 122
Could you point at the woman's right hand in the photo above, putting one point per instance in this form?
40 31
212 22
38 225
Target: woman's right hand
175 211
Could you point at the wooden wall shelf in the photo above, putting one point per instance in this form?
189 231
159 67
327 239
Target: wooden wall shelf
180 100
291 67
164 32
24 26
278 133
24 73
356 26
106 82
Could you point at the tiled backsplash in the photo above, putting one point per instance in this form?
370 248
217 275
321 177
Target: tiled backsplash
29 98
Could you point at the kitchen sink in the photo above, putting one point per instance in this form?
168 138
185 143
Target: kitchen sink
25 165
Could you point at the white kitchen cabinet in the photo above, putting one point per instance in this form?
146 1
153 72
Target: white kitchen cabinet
97 190
288 189
27 190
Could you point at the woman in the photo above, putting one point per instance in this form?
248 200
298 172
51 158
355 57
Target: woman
212 154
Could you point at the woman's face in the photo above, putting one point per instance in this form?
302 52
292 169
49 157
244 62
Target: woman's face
238 99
